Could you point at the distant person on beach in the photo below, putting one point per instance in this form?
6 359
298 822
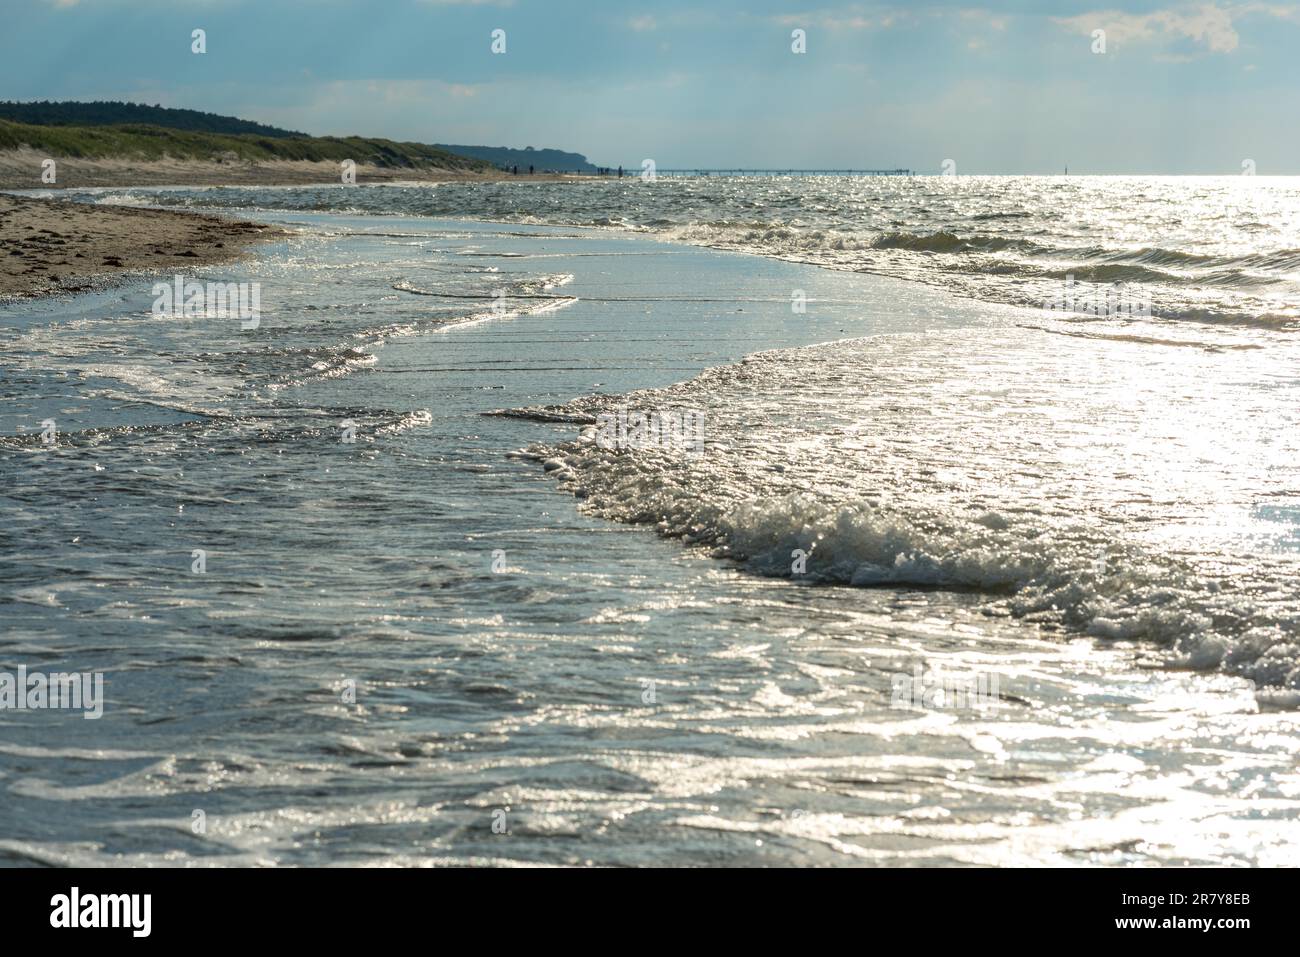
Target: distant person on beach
620 172
530 171
514 171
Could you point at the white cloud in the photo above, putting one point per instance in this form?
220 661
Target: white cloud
1207 26
851 17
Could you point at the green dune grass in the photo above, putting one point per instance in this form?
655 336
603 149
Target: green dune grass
137 142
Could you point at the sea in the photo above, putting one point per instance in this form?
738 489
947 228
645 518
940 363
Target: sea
747 521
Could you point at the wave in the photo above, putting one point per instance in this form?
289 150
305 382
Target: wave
1279 259
865 543
1108 274
896 490
528 288
983 241
946 242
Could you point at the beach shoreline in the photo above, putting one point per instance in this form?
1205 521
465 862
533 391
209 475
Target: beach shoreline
52 247
22 169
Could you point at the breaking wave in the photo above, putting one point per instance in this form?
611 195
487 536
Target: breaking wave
927 483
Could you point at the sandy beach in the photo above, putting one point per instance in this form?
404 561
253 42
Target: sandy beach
21 169
52 246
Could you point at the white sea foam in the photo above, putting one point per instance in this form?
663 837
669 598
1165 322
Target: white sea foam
1109 487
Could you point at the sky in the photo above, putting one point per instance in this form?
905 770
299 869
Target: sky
1017 87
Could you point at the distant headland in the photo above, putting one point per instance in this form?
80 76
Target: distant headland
107 143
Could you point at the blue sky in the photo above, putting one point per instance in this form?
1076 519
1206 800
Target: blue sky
1000 88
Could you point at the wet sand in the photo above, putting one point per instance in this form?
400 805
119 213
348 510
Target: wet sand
50 246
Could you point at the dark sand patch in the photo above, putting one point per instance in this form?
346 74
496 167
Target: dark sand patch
51 246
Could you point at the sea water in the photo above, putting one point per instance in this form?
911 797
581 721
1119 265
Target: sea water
959 575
